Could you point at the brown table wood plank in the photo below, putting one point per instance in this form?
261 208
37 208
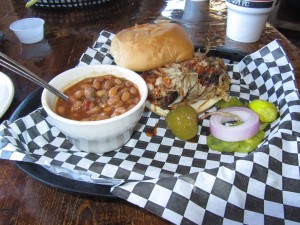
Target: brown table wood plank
68 33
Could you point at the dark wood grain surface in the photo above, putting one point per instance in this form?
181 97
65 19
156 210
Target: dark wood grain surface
68 33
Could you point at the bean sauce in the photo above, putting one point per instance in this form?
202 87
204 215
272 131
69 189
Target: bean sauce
98 98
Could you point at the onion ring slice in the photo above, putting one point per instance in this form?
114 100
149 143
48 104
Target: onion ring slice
247 129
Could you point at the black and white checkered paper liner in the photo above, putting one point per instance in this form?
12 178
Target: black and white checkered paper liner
186 182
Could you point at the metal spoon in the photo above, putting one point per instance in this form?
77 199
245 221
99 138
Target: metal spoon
15 67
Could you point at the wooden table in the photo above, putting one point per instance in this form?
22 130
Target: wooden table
68 33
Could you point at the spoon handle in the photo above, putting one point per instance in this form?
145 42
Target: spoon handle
15 67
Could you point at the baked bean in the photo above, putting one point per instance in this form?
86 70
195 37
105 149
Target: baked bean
128 83
90 93
130 107
108 109
120 110
103 116
96 84
129 101
117 81
101 93
124 89
72 98
114 114
125 96
77 105
120 86
102 105
101 79
118 104
78 94
136 100
108 84
85 85
98 98
113 100
94 117
113 91
93 110
89 80
133 90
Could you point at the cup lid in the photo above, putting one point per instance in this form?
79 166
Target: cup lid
253 3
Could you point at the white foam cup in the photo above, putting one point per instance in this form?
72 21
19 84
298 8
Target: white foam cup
29 30
246 20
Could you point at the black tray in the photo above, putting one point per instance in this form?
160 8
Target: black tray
30 103
33 101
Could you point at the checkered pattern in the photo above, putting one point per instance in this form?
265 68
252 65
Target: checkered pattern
185 182
99 54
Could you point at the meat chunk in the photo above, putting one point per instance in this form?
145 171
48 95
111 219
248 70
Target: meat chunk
200 78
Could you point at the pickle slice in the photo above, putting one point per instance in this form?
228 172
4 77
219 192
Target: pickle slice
266 111
183 122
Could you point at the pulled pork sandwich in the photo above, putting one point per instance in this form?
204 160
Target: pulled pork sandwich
175 74
200 82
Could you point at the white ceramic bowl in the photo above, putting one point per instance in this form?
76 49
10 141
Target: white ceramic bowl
29 30
96 136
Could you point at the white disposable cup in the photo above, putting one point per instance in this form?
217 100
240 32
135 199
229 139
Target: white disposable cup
29 30
246 24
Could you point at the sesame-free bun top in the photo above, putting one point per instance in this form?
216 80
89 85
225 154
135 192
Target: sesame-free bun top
148 46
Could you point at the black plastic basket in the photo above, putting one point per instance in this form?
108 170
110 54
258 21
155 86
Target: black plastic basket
67 4
113 12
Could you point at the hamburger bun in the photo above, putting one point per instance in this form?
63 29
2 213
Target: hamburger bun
148 46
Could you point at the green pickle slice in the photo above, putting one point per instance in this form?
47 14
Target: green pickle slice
234 101
245 146
183 122
266 111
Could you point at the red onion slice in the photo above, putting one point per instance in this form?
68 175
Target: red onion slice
247 129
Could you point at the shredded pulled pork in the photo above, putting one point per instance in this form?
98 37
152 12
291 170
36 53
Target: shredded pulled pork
200 78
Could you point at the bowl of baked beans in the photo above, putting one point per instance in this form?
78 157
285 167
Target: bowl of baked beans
105 104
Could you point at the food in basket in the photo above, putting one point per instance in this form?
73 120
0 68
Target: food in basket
267 111
183 122
244 146
239 126
200 82
101 135
148 46
234 128
221 127
174 73
98 98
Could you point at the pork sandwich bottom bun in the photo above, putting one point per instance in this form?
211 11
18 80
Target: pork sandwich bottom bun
175 74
